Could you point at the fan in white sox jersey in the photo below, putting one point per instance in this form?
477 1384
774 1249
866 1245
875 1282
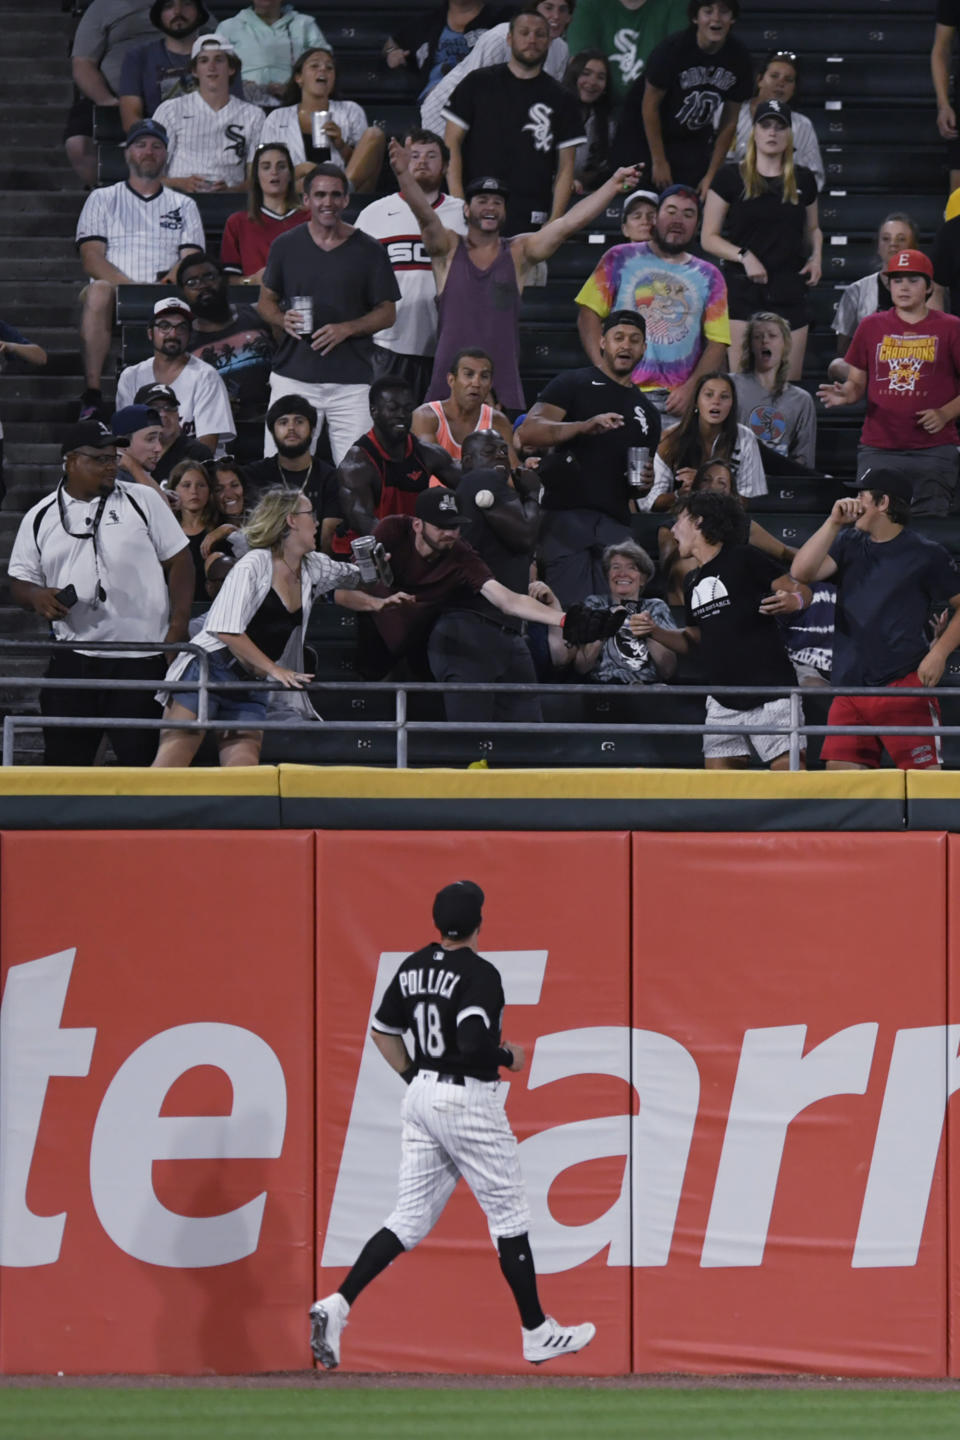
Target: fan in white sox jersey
454 1124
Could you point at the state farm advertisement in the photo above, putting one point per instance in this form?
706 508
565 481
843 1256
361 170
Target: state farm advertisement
156 1101
733 1122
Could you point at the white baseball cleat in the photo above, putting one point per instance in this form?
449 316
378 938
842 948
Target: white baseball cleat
327 1321
550 1340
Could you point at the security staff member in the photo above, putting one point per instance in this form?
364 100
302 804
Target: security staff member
592 416
102 560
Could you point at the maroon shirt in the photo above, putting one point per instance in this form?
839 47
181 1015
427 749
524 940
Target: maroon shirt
446 580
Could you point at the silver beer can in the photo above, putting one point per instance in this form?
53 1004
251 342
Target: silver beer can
303 306
318 120
638 458
363 557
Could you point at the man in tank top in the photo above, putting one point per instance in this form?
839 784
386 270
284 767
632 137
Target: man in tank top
448 422
480 276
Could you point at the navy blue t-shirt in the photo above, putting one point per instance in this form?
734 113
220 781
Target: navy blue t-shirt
885 592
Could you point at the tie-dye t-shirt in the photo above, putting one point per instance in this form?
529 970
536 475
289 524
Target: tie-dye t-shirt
683 305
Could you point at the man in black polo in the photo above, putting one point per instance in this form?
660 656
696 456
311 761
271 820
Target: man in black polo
592 417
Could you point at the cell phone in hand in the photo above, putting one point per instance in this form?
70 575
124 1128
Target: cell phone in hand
67 596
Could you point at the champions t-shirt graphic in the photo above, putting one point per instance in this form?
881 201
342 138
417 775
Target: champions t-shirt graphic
909 368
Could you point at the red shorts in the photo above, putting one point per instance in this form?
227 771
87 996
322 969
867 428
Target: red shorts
908 752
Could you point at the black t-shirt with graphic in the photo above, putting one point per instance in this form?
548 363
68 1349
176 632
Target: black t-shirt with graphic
599 480
697 83
432 994
514 130
738 645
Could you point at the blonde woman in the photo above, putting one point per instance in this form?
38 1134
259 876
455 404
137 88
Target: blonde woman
255 628
761 220
782 417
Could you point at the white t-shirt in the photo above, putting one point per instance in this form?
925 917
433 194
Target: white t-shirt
217 144
392 222
145 237
204 402
490 49
137 532
283 127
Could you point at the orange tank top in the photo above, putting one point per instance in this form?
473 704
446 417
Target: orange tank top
444 437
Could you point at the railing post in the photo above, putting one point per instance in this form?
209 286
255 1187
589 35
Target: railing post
9 726
402 729
203 699
796 720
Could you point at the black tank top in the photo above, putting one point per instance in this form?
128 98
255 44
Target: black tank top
273 624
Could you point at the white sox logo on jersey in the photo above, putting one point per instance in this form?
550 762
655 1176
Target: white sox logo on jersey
407 253
236 141
540 126
172 219
625 56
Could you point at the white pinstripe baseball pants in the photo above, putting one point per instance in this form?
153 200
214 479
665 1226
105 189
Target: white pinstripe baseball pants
449 1131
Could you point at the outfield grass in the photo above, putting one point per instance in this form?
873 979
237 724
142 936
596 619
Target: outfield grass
308 1414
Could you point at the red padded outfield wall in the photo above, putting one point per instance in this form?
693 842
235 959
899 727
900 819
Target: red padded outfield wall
732 1122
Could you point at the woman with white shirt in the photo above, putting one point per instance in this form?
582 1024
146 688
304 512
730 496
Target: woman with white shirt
872 292
777 80
708 431
348 140
254 629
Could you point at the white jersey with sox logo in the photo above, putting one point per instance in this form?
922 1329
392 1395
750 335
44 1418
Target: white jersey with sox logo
145 235
392 222
217 144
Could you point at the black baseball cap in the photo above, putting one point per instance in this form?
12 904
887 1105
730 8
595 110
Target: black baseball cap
486 185
147 127
133 418
623 317
154 395
885 482
458 908
773 110
93 434
440 507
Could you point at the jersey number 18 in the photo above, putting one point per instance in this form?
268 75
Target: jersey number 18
428 1029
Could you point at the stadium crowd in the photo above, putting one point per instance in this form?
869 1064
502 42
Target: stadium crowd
320 411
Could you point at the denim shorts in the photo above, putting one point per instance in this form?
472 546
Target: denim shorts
240 707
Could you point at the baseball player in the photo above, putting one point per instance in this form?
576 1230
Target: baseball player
454 1124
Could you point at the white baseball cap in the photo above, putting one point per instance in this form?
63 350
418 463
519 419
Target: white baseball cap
211 42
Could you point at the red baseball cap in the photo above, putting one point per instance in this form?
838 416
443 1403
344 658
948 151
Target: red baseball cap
910 262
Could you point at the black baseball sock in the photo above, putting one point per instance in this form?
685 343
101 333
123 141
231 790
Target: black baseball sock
380 1251
517 1265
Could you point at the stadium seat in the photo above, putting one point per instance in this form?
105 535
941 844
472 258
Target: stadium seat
839 77
842 34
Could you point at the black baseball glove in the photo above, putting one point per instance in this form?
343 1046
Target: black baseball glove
582 626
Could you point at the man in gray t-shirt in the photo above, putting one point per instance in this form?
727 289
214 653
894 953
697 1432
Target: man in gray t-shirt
107 30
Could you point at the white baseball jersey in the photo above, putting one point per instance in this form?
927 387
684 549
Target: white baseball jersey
144 236
217 144
137 532
202 395
392 222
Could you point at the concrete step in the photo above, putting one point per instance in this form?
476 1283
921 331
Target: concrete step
29 313
56 251
56 409
42 386
38 451
17 174
26 432
56 203
30 222
54 76
41 267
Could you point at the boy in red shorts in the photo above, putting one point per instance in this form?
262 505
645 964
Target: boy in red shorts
888 581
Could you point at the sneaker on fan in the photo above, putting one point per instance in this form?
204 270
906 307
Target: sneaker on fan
327 1321
550 1340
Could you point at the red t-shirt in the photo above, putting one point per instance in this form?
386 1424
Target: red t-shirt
909 368
246 242
446 580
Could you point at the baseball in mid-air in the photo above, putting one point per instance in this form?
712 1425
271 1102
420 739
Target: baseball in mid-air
484 499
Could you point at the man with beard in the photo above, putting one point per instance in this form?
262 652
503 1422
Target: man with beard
291 421
176 445
407 347
467 409
593 417
213 135
131 233
126 559
682 298
525 120
161 70
385 471
480 276
201 394
234 339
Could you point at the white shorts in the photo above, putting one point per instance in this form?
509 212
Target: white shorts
454 1130
768 747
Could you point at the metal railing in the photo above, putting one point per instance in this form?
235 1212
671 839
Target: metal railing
402 726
